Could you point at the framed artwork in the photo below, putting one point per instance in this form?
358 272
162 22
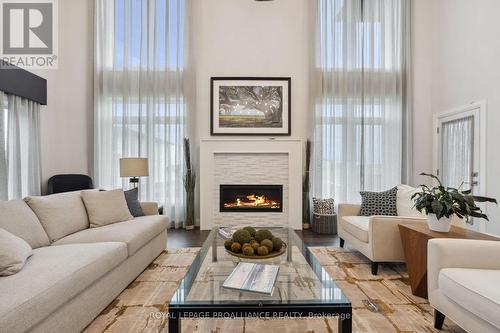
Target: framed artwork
250 106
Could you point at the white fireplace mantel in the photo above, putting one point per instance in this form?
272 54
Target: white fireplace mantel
255 155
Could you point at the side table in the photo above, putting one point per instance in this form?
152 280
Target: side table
414 238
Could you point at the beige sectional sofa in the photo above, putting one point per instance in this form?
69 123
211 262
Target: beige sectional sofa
67 282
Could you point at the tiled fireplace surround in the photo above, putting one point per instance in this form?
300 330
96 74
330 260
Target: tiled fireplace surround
251 162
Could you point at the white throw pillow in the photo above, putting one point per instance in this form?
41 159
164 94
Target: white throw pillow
60 214
13 253
106 207
404 203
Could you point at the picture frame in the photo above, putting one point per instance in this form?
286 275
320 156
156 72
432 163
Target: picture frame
250 106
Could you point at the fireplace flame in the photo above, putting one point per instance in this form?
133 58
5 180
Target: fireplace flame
253 200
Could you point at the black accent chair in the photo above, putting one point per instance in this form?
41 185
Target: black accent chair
69 183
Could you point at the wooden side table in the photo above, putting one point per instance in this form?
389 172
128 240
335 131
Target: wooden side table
414 237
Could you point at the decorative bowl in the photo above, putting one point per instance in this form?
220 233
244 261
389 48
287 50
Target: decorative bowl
270 255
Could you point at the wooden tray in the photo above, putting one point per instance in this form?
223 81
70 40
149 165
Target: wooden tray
270 255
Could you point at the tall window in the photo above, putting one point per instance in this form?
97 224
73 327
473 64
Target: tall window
140 101
360 107
20 166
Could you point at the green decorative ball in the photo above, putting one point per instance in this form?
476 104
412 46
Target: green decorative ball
263 234
248 251
255 246
277 243
241 236
236 247
250 230
227 244
262 251
268 244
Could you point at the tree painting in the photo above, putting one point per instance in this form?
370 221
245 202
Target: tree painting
251 106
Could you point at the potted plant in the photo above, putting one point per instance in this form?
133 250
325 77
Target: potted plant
306 184
189 186
440 203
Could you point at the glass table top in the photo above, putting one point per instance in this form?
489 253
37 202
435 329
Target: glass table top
301 279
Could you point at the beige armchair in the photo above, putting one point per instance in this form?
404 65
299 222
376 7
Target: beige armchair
462 277
377 237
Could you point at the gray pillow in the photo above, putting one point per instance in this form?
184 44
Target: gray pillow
134 206
13 253
379 203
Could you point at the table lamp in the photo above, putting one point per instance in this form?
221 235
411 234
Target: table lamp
134 167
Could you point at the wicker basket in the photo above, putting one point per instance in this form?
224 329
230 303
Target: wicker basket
324 223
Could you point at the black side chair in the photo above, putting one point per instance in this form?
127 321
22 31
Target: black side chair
68 183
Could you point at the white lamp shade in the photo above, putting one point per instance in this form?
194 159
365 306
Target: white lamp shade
134 167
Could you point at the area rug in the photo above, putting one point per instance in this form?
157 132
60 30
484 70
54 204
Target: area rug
381 303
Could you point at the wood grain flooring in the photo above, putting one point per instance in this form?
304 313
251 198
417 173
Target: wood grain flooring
381 303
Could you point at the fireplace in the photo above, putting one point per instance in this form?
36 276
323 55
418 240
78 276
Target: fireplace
251 198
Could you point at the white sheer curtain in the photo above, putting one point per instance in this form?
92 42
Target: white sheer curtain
360 108
140 100
457 155
20 167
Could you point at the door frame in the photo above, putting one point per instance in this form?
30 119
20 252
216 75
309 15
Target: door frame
481 126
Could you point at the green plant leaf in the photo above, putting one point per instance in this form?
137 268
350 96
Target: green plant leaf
469 200
483 199
437 208
432 176
479 215
457 196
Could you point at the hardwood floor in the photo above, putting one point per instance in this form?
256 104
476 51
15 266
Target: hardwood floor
179 238
313 239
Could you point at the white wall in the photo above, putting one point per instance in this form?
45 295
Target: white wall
422 50
456 54
66 121
250 38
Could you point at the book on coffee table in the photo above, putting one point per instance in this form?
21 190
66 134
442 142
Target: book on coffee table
252 277
227 233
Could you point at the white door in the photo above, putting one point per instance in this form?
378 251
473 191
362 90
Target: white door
459 148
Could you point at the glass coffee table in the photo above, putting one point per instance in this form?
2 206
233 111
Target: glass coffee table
303 287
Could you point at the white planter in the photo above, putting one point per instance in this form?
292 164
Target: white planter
441 225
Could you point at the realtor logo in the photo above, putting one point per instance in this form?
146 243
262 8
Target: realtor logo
28 33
